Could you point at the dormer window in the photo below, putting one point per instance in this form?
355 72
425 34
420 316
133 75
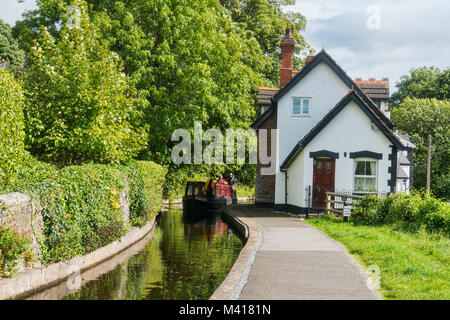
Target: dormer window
301 106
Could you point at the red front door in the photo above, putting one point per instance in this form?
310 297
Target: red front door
323 181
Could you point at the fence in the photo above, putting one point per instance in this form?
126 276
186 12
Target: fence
337 200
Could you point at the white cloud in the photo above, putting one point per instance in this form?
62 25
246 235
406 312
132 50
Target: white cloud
412 33
11 10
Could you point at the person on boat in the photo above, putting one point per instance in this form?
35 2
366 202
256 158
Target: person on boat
232 182
209 187
221 180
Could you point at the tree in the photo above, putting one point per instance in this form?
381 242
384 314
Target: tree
9 48
79 104
11 127
419 118
422 83
266 21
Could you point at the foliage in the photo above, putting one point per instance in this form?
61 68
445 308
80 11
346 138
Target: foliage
11 128
419 118
14 245
146 181
81 205
188 60
9 48
422 83
81 211
266 21
414 211
413 266
79 104
245 191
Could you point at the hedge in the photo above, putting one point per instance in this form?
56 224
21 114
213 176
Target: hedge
415 211
11 127
81 204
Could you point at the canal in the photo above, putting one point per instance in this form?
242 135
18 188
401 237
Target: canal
188 257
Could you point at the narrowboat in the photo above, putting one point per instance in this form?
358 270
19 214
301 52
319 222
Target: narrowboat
198 197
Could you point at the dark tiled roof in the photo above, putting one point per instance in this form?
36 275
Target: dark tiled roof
375 89
265 95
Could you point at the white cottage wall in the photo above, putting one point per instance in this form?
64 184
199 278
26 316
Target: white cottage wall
325 89
350 131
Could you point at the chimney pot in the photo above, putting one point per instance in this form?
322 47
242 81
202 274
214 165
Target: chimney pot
287 53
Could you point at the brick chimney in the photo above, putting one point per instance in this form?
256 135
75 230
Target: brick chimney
310 56
287 53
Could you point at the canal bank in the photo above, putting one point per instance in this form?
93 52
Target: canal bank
36 280
184 257
286 259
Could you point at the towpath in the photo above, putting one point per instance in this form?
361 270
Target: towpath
295 261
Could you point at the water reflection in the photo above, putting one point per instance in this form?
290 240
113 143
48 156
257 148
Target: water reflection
188 258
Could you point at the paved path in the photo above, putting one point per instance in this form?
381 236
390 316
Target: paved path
296 261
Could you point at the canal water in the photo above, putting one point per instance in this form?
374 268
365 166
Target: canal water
187 258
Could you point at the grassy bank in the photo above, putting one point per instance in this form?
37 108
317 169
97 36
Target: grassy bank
414 265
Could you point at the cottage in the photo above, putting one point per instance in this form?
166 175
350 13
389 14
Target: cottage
333 134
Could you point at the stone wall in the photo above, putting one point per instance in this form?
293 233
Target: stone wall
22 212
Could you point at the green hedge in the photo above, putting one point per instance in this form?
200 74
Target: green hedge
146 182
81 204
11 127
415 211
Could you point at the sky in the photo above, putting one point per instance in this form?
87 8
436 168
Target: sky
367 38
379 38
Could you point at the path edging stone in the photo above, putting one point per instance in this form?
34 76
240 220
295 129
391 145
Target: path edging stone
232 286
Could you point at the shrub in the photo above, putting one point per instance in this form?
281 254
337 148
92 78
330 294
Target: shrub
81 204
146 181
364 209
11 128
81 211
415 211
14 245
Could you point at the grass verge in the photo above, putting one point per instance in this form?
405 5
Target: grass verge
414 266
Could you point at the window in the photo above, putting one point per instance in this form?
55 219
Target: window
365 176
301 106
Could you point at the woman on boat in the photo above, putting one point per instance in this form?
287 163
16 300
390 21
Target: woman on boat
221 180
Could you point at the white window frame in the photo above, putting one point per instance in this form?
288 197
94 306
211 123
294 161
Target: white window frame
355 164
301 114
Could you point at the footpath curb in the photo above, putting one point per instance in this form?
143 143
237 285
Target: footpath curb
35 280
232 286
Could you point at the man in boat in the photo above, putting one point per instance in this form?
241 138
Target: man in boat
232 182
209 187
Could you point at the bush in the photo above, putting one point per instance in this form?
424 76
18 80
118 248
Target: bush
81 211
11 128
146 181
414 211
14 245
81 204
